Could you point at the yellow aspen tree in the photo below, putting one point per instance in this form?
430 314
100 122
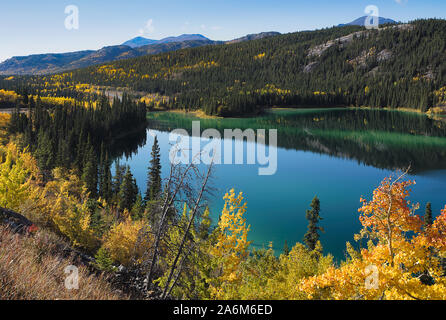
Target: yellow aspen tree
231 247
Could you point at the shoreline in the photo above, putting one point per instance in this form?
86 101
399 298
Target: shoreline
199 114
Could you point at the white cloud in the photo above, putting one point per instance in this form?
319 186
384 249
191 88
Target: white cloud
216 28
401 1
148 28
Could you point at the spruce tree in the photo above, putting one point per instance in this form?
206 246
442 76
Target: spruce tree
105 178
128 191
286 249
312 236
107 191
44 152
154 174
90 171
117 179
428 219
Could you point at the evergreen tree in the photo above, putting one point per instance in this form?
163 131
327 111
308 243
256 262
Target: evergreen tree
44 152
105 179
428 218
138 208
107 191
312 236
128 191
286 249
118 178
90 172
154 174
103 261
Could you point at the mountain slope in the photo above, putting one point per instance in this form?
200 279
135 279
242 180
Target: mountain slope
53 63
361 21
138 42
141 41
255 36
41 64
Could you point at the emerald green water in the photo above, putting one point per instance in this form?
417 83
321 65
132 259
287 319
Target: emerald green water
337 154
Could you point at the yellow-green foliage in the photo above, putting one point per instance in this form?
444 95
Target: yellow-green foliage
8 96
17 169
4 120
300 263
128 241
64 199
231 247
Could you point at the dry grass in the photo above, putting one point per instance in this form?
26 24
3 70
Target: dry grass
32 268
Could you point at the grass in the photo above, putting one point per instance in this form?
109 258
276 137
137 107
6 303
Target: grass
33 268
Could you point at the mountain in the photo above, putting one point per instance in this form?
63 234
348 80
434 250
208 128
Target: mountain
141 41
138 42
255 36
184 37
361 21
40 64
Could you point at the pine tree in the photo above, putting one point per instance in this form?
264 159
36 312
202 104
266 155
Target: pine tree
105 178
138 208
44 152
428 218
312 236
128 191
90 171
286 249
107 191
103 260
154 174
117 179
204 228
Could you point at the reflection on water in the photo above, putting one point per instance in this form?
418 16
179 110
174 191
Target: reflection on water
383 139
340 155
128 144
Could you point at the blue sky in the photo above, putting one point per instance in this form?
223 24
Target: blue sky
28 27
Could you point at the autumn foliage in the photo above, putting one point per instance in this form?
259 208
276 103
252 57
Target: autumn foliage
401 261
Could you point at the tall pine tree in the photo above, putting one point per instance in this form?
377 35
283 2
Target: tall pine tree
128 191
312 236
154 174
90 170
428 218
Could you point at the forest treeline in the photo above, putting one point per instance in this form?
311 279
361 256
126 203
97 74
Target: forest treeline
396 66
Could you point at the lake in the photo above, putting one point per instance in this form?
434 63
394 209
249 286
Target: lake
340 155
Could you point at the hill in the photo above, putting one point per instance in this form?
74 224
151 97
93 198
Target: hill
361 21
396 66
58 62
255 36
41 64
141 41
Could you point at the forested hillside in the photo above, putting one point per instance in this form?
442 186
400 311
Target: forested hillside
396 66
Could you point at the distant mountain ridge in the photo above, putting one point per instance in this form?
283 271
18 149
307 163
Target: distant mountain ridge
40 64
255 36
141 41
361 21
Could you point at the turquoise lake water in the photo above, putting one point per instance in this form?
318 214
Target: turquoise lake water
277 203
